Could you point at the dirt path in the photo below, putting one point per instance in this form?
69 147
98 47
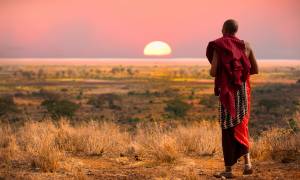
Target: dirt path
125 168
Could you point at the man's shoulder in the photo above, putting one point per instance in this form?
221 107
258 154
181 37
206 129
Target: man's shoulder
247 45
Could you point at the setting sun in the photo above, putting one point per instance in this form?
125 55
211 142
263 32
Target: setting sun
157 48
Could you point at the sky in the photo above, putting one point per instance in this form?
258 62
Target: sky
122 28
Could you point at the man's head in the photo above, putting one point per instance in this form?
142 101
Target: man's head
230 27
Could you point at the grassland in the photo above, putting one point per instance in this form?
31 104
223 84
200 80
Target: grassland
138 121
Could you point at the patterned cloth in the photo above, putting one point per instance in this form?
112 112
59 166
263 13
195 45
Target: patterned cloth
241 109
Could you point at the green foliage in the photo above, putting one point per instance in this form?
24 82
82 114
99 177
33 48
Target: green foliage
80 95
133 120
293 125
177 107
60 108
192 95
7 105
109 99
209 101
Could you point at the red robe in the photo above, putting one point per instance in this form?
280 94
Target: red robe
233 69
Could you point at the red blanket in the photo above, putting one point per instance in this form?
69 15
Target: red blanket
233 69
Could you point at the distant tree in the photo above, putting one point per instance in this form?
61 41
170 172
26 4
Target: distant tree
96 101
41 74
130 71
177 107
70 73
46 94
60 108
109 99
192 95
7 105
80 95
28 74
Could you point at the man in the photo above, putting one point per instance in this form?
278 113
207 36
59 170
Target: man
232 62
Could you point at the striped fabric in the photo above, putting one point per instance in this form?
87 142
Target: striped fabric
241 105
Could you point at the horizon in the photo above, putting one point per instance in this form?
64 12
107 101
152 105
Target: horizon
133 61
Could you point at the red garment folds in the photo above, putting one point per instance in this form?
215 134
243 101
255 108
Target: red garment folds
233 69
241 132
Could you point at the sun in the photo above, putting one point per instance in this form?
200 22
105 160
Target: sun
157 48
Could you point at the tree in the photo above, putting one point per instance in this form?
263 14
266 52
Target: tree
60 108
7 105
177 107
109 99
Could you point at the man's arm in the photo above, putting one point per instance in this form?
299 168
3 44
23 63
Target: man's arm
214 64
253 62
254 66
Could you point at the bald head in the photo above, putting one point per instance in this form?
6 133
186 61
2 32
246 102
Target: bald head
230 27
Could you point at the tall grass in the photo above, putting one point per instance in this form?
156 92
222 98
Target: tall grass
46 145
276 144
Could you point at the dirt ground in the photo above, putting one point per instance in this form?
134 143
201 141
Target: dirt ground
130 168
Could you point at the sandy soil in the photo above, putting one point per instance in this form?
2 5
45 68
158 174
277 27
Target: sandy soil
130 168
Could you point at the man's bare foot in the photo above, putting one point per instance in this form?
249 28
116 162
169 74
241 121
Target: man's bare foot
224 174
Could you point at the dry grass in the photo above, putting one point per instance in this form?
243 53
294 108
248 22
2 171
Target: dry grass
155 142
37 140
9 150
93 138
201 138
276 144
168 145
47 145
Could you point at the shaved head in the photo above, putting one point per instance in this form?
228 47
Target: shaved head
230 27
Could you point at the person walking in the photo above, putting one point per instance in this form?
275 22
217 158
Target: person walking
232 62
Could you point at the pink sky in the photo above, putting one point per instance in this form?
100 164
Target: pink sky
121 28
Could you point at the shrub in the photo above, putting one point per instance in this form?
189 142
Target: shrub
209 101
109 99
60 108
7 105
177 107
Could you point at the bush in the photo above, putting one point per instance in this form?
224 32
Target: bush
109 99
209 101
46 94
60 108
7 105
177 107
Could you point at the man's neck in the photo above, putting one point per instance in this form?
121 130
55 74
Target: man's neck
229 35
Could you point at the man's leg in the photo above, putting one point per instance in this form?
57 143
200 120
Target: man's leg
248 166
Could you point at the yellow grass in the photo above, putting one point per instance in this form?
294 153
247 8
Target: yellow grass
46 145
276 144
